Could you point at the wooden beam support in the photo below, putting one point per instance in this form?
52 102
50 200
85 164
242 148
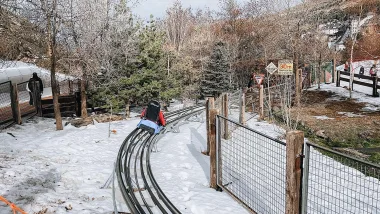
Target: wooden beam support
294 145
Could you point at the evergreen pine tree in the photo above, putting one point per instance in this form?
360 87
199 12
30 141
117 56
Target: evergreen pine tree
216 75
151 77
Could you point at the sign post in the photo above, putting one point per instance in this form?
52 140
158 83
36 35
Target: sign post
271 68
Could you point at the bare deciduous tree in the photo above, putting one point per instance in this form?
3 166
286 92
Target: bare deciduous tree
177 24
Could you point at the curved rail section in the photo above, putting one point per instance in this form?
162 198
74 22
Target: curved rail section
137 184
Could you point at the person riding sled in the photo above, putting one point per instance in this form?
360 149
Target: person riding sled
152 118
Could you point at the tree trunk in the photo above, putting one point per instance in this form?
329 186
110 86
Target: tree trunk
295 59
83 96
52 46
319 70
168 65
298 90
351 69
334 68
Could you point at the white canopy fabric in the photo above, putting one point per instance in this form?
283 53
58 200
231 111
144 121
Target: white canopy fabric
18 72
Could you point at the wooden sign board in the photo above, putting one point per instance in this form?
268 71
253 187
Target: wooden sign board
285 67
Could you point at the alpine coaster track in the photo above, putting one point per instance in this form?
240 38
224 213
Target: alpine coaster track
134 174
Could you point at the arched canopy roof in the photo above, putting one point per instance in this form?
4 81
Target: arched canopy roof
18 72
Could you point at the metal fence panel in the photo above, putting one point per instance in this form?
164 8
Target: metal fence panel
6 116
69 87
251 167
24 97
278 94
341 184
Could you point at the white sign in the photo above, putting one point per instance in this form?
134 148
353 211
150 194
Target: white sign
271 68
285 67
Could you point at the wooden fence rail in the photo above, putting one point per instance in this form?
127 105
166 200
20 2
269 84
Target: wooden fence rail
374 85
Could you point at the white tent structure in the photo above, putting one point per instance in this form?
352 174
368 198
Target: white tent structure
18 72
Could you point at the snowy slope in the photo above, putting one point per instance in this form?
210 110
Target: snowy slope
183 174
42 168
360 93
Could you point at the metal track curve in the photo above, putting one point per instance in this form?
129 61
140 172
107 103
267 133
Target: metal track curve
134 174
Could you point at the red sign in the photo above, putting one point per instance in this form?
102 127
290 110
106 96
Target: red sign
259 79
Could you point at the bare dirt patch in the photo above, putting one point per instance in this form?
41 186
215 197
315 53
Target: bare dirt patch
343 121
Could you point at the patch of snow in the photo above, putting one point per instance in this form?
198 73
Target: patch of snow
350 114
324 117
371 108
360 93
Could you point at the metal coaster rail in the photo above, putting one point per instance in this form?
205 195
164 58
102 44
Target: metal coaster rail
133 170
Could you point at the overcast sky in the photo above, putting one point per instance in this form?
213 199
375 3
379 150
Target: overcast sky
158 7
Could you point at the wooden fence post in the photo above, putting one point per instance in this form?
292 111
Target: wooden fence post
310 83
225 114
294 144
334 69
213 181
298 80
261 97
15 104
242 107
70 87
127 110
210 104
337 78
207 152
374 91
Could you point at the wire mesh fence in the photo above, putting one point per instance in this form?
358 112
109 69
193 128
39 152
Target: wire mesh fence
252 97
24 96
251 167
46 83
69 87
272 99
337 183
6 116
279 95
233 102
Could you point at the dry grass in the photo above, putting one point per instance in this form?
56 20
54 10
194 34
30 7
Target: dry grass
341 129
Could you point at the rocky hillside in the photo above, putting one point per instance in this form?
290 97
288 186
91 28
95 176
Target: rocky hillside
20 40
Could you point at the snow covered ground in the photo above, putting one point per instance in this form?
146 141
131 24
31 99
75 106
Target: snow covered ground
183 173
43 168
360 94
